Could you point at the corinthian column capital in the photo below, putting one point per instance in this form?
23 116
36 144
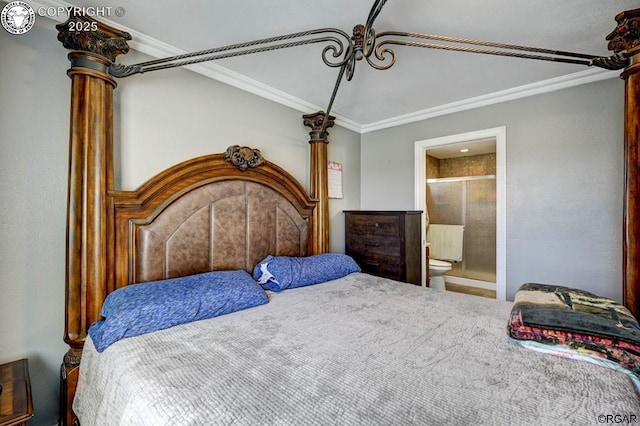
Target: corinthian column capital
83 33
626 36
315 121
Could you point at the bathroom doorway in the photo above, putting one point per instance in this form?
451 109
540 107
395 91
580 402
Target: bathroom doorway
460 180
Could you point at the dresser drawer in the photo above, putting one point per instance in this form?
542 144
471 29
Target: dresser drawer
373 224
373 244
384 266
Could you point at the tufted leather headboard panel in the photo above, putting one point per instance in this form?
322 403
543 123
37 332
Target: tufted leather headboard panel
206 214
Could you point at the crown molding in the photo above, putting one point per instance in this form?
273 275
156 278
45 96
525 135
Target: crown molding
158 49
540 87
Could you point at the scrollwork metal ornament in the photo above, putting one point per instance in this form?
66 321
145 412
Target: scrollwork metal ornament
119 70
358 43
617 61
244 157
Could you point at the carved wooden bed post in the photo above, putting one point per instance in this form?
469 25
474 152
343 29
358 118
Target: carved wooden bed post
626 37
319 188
90 180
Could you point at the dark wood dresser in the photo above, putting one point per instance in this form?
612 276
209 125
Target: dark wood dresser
386 243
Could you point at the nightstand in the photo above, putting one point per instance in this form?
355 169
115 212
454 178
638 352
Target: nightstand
16 407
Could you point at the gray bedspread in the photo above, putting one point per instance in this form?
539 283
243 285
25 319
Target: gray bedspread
360 350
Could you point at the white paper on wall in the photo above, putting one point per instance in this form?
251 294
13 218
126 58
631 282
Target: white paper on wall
335 179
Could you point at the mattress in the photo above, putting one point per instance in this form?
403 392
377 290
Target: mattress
360 350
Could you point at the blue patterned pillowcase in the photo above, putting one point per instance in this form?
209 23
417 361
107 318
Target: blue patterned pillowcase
146 307
277 273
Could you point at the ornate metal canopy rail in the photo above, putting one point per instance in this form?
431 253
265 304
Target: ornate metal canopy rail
342 51
387 56
340 45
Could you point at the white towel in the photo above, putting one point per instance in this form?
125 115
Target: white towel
445 242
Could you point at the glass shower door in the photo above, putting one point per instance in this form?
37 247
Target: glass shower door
471 202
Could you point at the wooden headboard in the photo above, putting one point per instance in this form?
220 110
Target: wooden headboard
208 214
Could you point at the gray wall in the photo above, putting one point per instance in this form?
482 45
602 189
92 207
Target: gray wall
564 181
161 119
34 145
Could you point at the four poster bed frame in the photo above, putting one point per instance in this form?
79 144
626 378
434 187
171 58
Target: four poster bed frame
104 241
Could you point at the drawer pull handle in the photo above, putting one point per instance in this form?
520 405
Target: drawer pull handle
371 263
372 225
372 244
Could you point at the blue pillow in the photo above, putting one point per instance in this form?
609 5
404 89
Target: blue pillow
277 273
146 307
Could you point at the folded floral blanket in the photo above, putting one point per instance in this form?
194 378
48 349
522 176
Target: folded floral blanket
577 323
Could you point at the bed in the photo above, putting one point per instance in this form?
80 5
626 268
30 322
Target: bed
354 350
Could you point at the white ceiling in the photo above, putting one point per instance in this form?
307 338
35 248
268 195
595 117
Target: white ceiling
421 80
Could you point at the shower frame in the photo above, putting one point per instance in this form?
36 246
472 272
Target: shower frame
466 280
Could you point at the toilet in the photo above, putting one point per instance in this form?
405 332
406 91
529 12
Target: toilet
445 246
437 268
